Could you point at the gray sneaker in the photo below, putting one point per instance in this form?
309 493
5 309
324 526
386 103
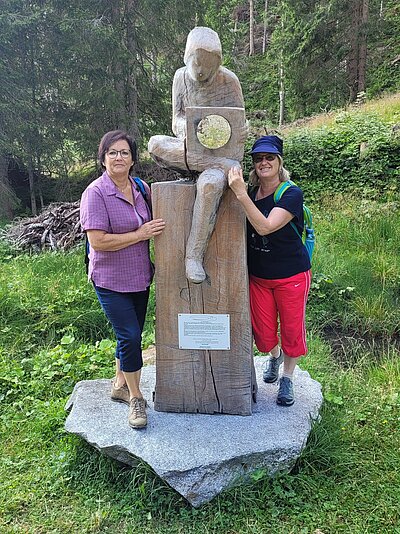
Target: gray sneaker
285 393
271 370
137 417
119 394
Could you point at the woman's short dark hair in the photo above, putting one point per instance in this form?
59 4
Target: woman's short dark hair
112 137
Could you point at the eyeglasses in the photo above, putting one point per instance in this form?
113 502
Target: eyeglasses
112 154
268 157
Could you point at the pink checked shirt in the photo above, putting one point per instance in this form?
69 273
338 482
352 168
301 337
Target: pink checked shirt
103 207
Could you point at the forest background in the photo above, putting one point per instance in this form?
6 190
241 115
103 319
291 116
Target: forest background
71 70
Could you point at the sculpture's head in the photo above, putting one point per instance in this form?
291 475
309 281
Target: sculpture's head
203 54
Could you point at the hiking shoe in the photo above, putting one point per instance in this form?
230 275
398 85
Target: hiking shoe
285 393
119 394
271 370
137 417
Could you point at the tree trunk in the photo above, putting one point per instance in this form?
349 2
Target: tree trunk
281 90
118 75
39 182
132 90
235 37
264 46
357 59
8 199
352 60
362 49
251 34
153 66
32 187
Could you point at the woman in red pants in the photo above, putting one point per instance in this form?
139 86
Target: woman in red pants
278 262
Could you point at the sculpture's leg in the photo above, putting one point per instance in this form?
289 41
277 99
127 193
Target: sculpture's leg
168 152
210 186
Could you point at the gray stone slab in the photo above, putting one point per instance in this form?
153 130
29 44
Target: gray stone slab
199 455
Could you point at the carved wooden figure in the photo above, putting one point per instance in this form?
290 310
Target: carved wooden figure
202 84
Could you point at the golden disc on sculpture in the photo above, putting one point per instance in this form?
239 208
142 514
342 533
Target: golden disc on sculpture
213 131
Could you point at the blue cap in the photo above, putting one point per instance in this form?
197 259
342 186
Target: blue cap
271 144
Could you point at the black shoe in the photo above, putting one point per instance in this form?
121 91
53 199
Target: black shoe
285 393
271 371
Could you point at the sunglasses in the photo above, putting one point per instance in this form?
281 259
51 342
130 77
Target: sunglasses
268 157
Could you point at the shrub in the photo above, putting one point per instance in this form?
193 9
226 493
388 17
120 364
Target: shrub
357 149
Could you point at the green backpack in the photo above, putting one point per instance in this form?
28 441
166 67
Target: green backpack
308 234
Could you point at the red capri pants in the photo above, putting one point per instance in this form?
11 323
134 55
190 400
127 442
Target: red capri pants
287 298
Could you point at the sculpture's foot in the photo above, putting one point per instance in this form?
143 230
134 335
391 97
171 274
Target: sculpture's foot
195 272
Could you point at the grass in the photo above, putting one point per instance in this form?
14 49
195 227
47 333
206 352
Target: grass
359 242
388 108
53 334
346 480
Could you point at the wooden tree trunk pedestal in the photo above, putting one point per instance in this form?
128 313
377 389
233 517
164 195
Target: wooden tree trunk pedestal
201 381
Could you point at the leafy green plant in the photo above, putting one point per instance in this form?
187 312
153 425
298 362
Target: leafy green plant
61 366
356 149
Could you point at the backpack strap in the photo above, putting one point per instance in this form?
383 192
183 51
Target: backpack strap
295 229
307 217
141 187
282 187
87 251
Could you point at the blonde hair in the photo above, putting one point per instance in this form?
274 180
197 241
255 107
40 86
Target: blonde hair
284 174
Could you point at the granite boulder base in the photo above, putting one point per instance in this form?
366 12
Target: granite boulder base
199 455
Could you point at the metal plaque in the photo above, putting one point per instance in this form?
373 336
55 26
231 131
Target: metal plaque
204 331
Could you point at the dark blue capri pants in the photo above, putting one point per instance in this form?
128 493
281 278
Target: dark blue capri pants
126 313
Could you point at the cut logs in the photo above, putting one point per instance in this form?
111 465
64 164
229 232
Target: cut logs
56 228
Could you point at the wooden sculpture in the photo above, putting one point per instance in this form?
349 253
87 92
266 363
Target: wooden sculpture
199 86
201 274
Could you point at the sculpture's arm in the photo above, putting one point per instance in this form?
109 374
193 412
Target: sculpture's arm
237 92
178 105
238 101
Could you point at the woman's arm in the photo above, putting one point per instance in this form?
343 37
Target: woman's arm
277 218
101 240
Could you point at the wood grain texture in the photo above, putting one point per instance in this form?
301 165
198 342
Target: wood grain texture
198 380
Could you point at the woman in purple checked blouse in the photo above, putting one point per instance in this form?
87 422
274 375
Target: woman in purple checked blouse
117 221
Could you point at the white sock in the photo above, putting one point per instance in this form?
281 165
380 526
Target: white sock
277 356
288 375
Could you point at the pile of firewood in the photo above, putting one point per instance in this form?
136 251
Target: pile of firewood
56 228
